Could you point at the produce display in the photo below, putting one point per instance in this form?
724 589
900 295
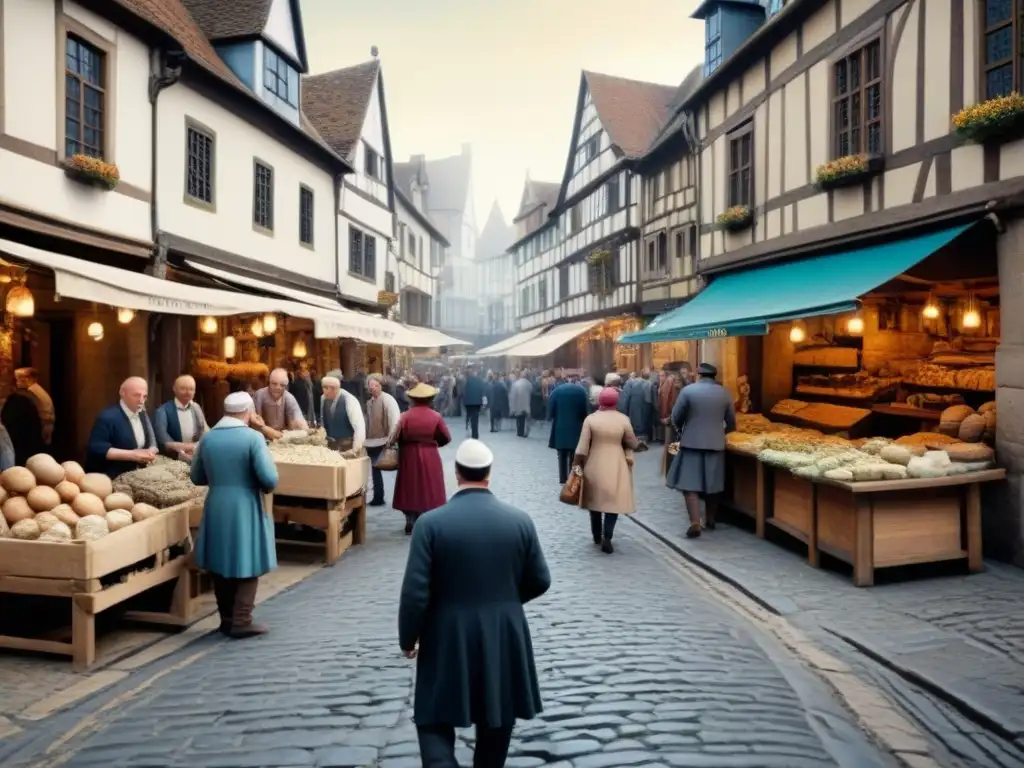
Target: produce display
305 453
859 385
164 483
968 426
47 501
932 375
303 437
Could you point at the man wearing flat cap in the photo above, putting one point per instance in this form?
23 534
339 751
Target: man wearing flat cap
472 565
236 535
703 414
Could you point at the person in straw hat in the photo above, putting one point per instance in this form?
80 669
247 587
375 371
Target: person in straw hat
472 565
236 535
421 430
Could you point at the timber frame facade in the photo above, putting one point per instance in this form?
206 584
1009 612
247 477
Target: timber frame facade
825 79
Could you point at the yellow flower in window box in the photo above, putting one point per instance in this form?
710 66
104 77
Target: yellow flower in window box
599 257
736 218
387 298
846 170
92 170
998 118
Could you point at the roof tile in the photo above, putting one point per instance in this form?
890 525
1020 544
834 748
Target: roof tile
237 18
336 103
631 111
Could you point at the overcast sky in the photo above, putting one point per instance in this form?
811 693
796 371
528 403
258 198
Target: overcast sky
501 75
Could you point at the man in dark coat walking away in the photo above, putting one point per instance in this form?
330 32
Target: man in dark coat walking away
497 402
568 406
472 565
473 396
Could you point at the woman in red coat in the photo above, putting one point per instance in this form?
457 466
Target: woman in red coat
419 486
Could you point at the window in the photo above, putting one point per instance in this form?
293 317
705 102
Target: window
371 163
362 253
1002 48
263 196
659 185
435 254
712 41
305 215
741 167
84 98
542 293
199 165
524 300
773 7
389 282
612 185
278 77
651 256
575 219
412 246
563 281
662 253
857 102
592 147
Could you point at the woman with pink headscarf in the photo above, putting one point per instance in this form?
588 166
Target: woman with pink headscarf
605 452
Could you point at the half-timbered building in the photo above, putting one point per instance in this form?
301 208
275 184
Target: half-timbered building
496 278
860 178
421 246
580 270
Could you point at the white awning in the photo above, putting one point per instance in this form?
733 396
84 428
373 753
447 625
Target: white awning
552 340
428 338
263 285
499 349
102 284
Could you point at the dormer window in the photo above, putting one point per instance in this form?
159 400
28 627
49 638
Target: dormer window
712 41
371 165
280 78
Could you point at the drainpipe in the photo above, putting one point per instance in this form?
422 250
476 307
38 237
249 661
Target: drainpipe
339 179
167 71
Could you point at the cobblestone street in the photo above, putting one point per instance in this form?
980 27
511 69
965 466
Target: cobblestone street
638 665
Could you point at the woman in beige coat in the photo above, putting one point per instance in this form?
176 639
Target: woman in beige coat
605 452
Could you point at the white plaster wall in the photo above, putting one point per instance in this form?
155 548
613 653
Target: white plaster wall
415 272
30 114
281 27
372 136
230 227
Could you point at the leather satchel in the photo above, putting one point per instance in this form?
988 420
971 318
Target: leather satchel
388 460
572 491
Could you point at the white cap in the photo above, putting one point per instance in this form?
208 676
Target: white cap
612 380
238 402
473 454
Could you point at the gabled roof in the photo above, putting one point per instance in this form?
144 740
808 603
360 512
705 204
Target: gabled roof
496 235
173 18
422 218
536 194
678 118
235 19
631 111
336 103
449 182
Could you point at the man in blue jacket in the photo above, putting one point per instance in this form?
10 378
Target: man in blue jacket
473 395
122 439
568 406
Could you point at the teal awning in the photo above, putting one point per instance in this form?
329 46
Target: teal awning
744 303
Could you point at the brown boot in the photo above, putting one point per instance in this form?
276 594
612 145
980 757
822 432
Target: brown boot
224 592
242 625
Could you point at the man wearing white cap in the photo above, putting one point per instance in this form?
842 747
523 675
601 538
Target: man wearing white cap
236 535
341 415
461 616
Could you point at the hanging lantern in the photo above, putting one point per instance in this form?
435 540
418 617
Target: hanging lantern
855 325
931 309
270 324
229 347
972 317
208 325
256 327
299 349
125 315
797 333
20 302
95 330
5 278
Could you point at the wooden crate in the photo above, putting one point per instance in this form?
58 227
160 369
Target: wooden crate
318 482
74 571
328 517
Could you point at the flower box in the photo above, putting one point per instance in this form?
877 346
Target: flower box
847 171
736 218
92 171
599 257
998 119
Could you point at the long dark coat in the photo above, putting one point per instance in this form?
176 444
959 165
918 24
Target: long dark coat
472 565
419 485
568 406
497 399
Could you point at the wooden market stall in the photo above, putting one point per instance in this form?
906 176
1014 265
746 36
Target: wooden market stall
866 412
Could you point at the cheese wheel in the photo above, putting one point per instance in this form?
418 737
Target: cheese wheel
42 498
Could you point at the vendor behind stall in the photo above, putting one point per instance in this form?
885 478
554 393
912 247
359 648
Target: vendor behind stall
122 438
180 422
341 415
276 407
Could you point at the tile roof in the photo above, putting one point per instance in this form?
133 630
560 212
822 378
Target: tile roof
631 111
537 193
402 176
677 117
174 18
336 103
237 18
449 179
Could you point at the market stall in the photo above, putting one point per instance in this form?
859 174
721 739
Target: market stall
865 389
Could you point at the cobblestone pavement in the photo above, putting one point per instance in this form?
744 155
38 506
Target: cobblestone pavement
959 636
638 667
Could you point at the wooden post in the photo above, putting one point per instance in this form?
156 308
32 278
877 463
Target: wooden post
975 564
812 533
764 498
83 637
334 533
863 549
359 510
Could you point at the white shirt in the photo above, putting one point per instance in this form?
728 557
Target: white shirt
355 416
392 413
135 419
187 421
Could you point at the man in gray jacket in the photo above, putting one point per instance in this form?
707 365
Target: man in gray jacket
703 414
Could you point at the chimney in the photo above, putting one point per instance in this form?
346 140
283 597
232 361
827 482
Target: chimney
467 149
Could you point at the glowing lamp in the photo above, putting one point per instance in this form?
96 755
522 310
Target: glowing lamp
855 326
20 302
95 331
270 324
299 349
797 333
208 325
125 315
256 327
972 319
229 347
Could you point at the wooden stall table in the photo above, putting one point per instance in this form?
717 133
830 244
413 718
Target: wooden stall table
74 570
885 523
335 495
747 485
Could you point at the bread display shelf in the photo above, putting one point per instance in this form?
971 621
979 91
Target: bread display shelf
73 570
323 482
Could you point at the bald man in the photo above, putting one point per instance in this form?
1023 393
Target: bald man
276 407
122 439
180 422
